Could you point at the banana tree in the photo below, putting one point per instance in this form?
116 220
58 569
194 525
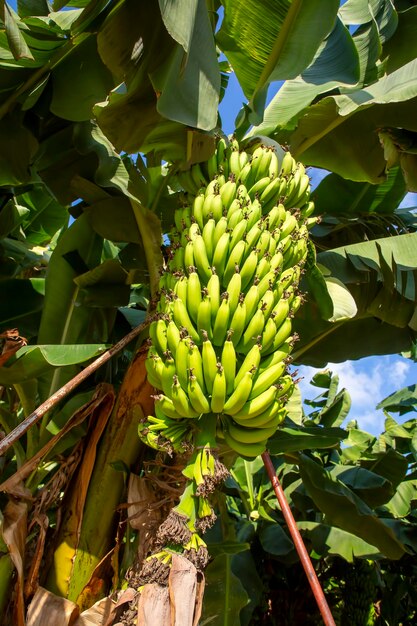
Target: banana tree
103 107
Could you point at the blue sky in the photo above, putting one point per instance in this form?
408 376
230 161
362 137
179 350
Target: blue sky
368 380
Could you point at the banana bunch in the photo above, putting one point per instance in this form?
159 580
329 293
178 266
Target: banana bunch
359 595
222 336
221 339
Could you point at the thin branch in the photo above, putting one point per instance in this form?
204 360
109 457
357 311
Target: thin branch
34 417
298 542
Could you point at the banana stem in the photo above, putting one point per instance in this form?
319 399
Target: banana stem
298 542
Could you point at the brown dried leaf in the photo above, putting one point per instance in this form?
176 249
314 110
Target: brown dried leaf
201 583
182 585
47 608
12 343
154 607
97 615
140 496
32 578
14 535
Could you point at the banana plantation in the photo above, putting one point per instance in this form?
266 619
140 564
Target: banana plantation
161 282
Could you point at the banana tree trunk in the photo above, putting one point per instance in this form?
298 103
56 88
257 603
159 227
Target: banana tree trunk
75 562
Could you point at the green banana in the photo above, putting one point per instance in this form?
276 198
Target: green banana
201 260
218 394
193 293
195 364
196 396
181 362
183 320
228 361
158 335
240 394
221 322
274 411
234 288
181 401
208 237
267 378
252 333
204 315
238 321
213 289
249 450
250 363
248 269
220 253
246 434
209 359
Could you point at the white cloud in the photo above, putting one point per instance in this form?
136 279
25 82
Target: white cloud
368 381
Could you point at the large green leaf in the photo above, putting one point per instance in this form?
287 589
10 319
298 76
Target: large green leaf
402 401
380 276
326 539
331 131
17 149
224 595
33 361
20 297
293 438
189 84
336 195
372 488
347 511
84 68
272 41
335 64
